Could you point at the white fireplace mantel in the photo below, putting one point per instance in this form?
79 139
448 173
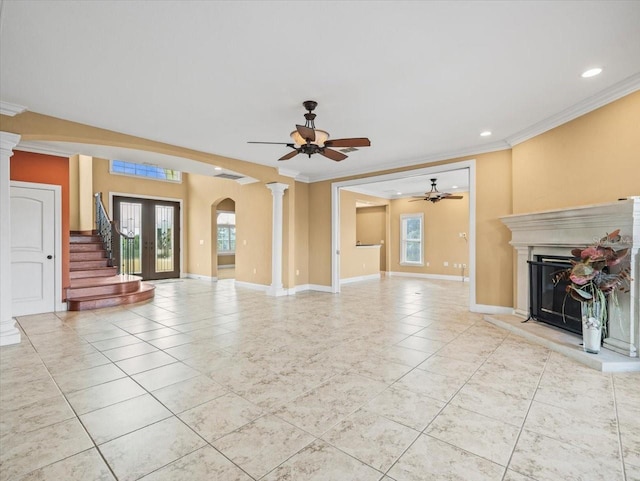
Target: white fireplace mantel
556 232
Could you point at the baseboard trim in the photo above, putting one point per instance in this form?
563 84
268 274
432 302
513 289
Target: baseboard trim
313 287
349 280
440 277
200 278
251 285
489 309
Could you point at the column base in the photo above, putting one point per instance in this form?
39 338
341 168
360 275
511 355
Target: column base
10 336
277 291
622 347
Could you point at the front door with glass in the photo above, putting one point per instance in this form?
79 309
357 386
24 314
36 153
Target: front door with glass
155 226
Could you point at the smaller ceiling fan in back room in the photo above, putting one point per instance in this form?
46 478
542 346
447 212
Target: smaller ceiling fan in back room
434 195
308 140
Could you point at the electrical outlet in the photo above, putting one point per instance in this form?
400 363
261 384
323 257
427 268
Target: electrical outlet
455 266
427 264
446 264
255 271
297 272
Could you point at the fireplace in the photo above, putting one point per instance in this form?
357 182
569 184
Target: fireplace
548 300
552 234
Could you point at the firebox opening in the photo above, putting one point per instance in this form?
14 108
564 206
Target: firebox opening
549 302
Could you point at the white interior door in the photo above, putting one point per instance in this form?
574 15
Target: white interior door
32 250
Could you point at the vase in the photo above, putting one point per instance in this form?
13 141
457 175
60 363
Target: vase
592 321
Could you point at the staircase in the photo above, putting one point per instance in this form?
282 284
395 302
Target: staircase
96 284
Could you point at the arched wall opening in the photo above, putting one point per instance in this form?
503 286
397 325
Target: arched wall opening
223 238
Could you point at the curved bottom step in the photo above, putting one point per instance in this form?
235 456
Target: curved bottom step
144 293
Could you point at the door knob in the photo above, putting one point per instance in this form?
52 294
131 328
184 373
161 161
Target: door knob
49 257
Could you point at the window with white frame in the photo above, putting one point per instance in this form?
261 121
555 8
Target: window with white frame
411 239
226 232
145 170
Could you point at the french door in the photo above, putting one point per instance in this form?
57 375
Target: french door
155 228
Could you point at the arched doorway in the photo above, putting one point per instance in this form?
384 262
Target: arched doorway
223 237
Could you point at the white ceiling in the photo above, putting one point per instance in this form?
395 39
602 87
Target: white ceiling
420 79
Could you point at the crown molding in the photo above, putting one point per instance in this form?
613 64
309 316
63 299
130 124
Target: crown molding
38 148
7 108
604 97
416 163
294 174
246 181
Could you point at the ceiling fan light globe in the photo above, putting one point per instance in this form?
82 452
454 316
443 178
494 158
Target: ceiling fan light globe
321 138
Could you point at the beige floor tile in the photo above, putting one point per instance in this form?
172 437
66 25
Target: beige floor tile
220 416
547 459
632 472
572 427
145 362
75 381
116 342
164 376
103 395
84 466
263 444
188 394
157 334
430 384
406 407
429 458
124 417
371 438
34 416
322 462
503 406
132 350
17 394
143 451
205 464
25 452
485 437
422 344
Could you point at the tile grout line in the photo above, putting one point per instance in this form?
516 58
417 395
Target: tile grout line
620 447
524 420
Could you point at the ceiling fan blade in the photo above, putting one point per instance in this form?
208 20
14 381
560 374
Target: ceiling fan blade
452 197
417 200
277 143
333 154
290 155
354 142
307 133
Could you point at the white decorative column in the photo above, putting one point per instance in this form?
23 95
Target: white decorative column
277 191
9 333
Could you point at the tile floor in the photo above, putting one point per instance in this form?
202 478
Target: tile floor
390 380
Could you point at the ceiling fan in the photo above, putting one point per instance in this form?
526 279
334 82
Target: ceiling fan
434 195
309 140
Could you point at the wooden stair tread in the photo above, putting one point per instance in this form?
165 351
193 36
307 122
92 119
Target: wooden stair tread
144 293
103 281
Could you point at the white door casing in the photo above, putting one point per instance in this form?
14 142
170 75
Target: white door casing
33 249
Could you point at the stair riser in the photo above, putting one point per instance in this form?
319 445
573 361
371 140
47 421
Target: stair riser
87 256
77 265
82 305
85 247
83 274
85 239
122 288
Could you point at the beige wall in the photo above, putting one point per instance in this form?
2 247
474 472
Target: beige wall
253 226
355 262
443 221
302 234
371 228
590 160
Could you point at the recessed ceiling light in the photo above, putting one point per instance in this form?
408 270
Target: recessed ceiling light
454 186
592 72
486 133
217 168
398 193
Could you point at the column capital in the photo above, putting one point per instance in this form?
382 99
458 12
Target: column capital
277 187
8 141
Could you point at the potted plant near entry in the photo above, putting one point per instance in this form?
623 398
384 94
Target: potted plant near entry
592 284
